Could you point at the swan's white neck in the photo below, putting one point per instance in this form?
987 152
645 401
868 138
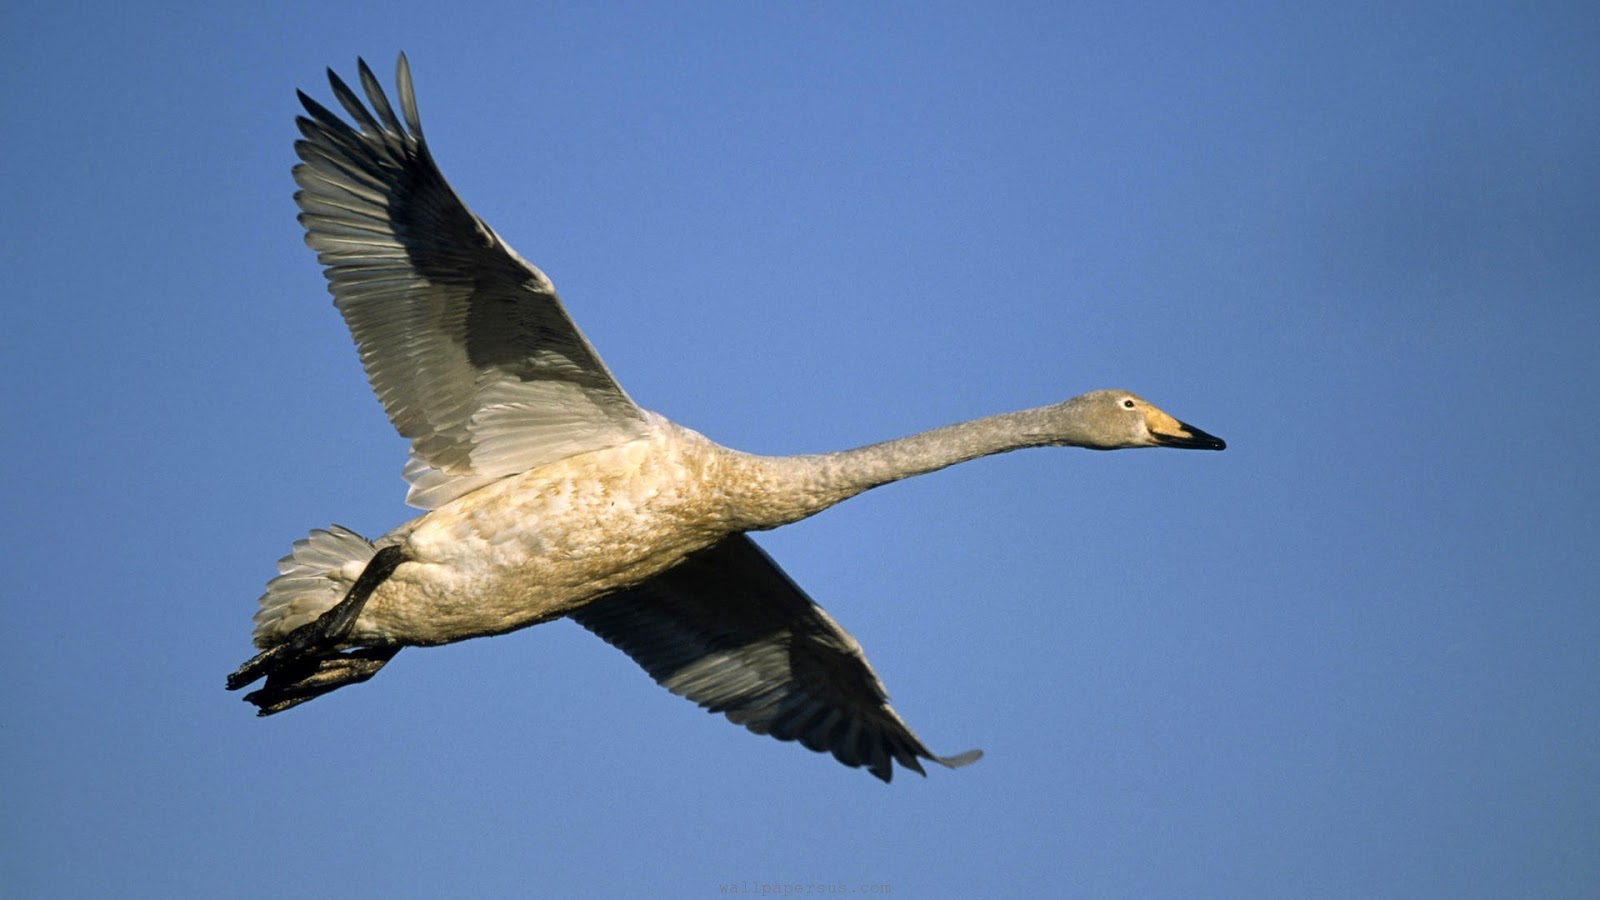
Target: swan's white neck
784 489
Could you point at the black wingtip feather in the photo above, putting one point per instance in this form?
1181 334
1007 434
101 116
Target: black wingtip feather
408 95
378 99
352 104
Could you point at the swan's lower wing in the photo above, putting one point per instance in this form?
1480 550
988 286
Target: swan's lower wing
729 630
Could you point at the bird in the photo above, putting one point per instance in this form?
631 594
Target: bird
548 493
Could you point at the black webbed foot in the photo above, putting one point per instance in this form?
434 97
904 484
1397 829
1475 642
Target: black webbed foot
307 678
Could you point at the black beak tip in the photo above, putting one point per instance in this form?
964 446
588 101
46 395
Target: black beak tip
1196 440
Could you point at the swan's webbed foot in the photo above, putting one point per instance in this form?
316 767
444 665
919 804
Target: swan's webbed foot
299 679
309 661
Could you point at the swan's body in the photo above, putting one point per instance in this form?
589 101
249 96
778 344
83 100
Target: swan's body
536 546
550 493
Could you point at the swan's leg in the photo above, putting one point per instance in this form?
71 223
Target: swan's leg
308 663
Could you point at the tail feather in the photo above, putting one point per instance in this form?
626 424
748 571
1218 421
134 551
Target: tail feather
315 576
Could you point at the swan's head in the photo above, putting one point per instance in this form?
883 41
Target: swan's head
1117 420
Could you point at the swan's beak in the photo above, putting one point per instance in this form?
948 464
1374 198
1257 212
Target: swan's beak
1169 432
1190 438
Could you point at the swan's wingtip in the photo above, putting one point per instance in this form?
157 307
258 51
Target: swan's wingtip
959 760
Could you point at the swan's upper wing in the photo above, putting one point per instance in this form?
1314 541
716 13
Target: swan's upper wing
464 342
730 631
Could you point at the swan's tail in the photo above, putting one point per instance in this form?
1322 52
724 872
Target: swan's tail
315 576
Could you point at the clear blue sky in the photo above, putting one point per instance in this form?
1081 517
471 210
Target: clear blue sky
1357 654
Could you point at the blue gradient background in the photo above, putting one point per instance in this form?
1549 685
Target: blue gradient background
1354 655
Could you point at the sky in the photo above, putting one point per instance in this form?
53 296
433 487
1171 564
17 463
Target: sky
1356 654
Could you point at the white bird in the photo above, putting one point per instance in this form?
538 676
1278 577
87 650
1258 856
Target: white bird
549 493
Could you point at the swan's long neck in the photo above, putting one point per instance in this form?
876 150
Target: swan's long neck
853 471
793 487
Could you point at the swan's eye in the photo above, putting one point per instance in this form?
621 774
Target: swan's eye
1127 404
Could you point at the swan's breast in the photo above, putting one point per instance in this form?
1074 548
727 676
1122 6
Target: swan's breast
534 546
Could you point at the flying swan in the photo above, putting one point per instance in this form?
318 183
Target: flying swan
549 493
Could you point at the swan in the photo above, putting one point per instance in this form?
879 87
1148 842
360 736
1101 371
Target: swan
548 492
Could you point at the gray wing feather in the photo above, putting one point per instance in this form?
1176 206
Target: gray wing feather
730 631
465 343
